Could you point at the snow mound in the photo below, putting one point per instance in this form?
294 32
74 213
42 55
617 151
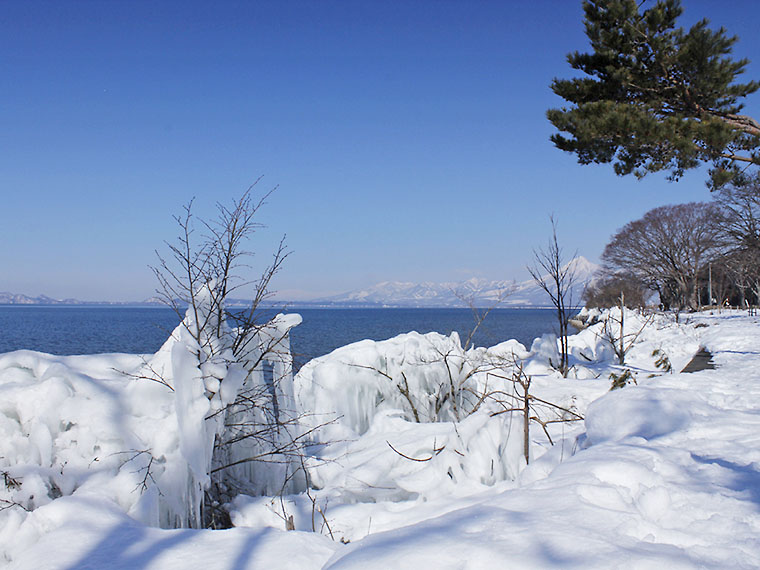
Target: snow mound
427 378
641 413
125 431
406 460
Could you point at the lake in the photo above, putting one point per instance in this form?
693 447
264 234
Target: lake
66 330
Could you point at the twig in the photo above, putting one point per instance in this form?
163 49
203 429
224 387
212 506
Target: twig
435 452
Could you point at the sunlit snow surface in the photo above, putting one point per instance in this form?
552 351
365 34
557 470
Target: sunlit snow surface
663 474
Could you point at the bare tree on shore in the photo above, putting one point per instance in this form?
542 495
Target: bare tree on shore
556 277
667 249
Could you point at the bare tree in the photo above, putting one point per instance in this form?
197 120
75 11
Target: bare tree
740 222
740 206
242 356
606 290
667 249
556 277
720 281
217 256
731 278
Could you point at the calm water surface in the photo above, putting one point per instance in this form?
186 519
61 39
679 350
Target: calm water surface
89 330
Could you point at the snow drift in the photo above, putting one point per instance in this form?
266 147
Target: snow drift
412 459
138 434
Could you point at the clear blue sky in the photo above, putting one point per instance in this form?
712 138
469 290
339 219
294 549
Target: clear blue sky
408 139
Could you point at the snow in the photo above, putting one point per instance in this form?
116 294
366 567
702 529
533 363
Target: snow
482 292
664 472
98 535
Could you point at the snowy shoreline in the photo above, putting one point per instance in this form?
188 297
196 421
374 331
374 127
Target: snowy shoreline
664 472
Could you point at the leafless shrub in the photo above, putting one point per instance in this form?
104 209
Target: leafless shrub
12 484
532 408
202 269
614 332
455 395
556 277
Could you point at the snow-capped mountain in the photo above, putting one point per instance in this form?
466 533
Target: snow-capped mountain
481 292
20 299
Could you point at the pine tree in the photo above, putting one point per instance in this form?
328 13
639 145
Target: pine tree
657 98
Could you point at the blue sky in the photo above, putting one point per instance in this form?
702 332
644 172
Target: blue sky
408 139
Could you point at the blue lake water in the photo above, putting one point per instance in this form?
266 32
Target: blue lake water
66 330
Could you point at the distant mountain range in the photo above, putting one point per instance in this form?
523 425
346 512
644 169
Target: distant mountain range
20 299
479 292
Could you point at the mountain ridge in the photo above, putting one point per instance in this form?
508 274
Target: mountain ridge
475 291
7 298
387 294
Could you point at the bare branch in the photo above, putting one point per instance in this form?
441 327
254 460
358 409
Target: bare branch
435 452
557 279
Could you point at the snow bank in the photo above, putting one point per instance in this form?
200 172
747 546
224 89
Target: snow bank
643 332
666 475
81 533
662 473
417 417
369 406
645 414
132 433
426 378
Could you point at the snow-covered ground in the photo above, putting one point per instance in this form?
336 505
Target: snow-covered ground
662 473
